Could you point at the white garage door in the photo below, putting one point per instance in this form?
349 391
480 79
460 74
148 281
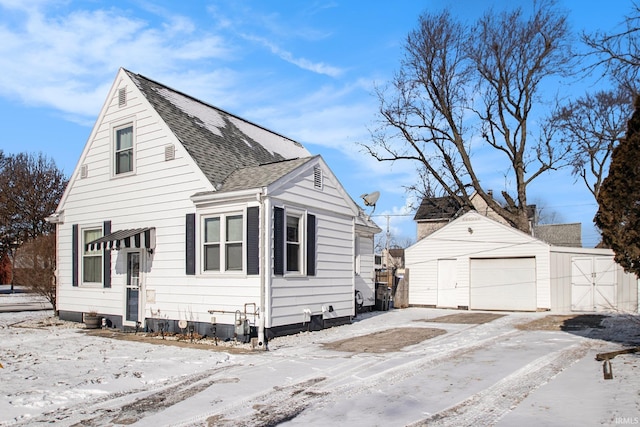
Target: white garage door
503 284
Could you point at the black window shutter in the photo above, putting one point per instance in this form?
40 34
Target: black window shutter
106 256
74 255
190 249
278 241
311 245
253 240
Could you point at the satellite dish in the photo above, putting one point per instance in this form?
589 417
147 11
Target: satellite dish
182 324
371 198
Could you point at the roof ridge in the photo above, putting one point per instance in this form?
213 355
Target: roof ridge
285 160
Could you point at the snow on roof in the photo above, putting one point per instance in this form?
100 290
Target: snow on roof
272 142
212 120
209 118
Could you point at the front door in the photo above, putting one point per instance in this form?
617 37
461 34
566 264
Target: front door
133 286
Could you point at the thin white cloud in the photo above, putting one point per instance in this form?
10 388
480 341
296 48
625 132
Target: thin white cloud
65 61
305 64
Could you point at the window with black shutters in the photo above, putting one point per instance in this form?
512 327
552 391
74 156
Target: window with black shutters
291 245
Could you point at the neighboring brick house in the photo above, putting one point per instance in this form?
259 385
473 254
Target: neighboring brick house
436 212
569 235
393 258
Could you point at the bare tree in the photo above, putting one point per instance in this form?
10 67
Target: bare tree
618 53
5 269
593 125
35 266
30 190
458 82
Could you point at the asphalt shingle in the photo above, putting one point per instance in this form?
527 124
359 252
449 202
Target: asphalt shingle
219 142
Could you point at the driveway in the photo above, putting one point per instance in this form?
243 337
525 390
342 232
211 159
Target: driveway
402 367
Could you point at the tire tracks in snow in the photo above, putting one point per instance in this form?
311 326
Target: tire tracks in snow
488 406
279 404
133 405
350 375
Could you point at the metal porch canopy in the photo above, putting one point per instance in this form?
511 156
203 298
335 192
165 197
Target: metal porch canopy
131 238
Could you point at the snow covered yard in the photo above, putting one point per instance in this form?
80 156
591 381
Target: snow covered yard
454 370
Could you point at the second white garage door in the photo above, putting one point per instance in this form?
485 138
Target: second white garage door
503 284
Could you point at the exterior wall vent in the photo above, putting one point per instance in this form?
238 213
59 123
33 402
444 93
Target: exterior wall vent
169 152
84 171
317 178
122 97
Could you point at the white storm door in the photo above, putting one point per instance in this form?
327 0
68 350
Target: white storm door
132 287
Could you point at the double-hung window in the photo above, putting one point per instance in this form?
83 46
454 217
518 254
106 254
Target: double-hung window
212 244
294 244
91 259
123 149
223 243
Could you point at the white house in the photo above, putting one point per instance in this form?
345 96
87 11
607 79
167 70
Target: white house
476 263
179 213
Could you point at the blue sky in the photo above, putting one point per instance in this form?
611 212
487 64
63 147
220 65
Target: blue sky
305 69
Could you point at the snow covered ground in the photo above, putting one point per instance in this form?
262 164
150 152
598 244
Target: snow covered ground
474 374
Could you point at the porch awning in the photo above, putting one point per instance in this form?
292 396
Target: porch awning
132 238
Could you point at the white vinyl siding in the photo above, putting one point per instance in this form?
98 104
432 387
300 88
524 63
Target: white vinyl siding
334 282
157 195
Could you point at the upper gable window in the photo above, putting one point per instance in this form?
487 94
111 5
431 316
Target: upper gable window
123 149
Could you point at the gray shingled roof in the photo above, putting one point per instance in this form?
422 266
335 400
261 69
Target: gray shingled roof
446 208
560 234
434 208
219 142
262 175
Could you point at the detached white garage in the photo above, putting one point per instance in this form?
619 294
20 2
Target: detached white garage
476 263
479 264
